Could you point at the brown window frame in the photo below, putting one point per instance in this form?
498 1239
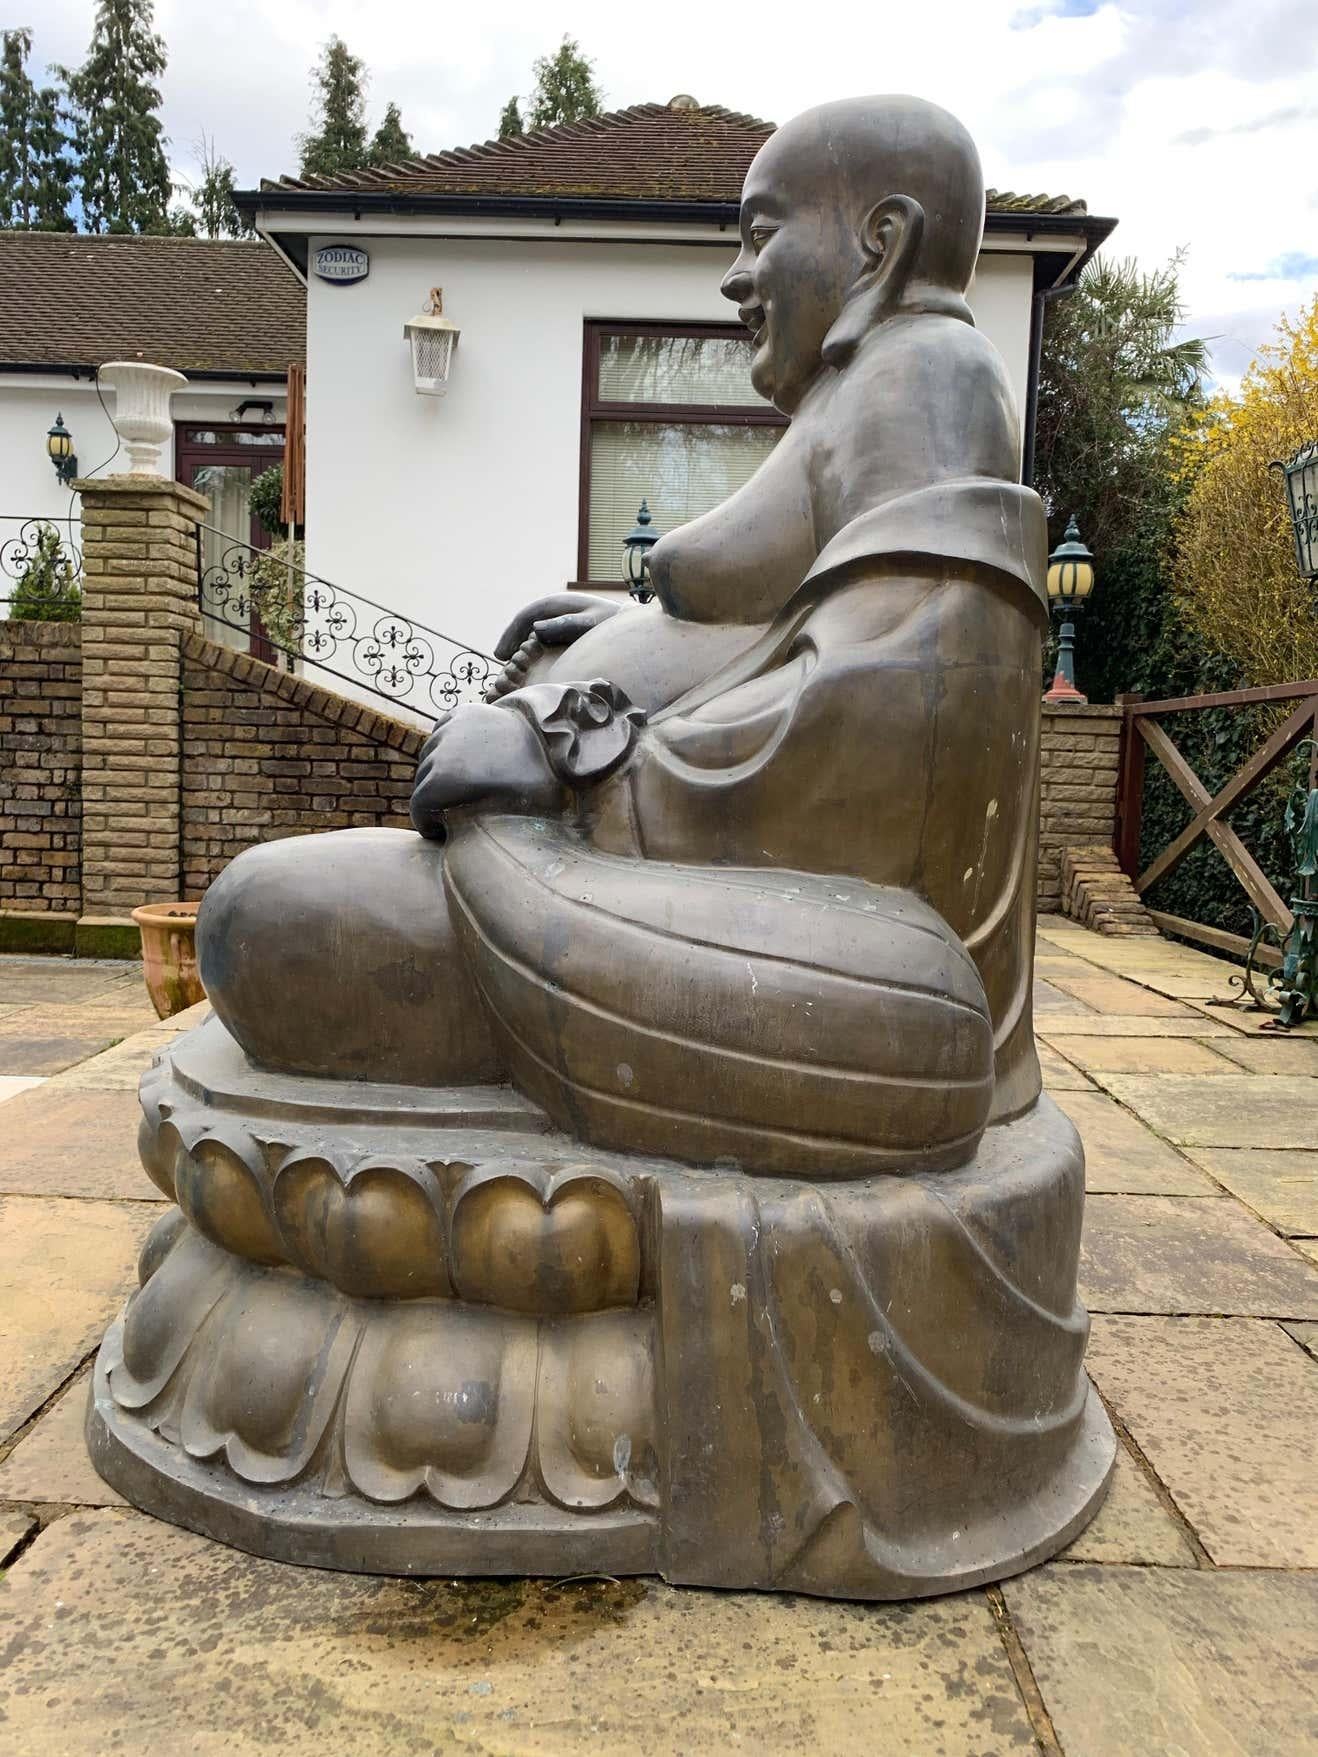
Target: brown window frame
188 453
593 410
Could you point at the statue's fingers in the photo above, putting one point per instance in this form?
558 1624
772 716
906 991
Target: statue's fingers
515 633
561 631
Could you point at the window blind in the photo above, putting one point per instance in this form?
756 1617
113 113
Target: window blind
695 370
682 470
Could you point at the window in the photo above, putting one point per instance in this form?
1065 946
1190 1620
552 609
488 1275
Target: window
669 416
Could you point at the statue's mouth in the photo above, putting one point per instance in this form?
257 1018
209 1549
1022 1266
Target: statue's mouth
755 320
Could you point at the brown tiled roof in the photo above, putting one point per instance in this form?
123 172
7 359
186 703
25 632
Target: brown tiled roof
196 304
650 152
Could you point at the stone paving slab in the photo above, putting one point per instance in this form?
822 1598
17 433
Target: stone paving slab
1058 1073
136 1637
1129 1055
66 1269
1281 1186
1129 1025
12 1084
1178 1254
1110 994
50 1462
15 1526
52 980
1274 1053
1308 1247
1236 1110
1122 1156
1132 1525
1226 1412
49 1050
1146 1662
1306 1334
1048 1000
1241 1021
61 1141
120 1068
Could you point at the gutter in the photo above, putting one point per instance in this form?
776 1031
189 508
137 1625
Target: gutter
79 369
358 203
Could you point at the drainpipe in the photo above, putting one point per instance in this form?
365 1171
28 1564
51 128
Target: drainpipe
1037 309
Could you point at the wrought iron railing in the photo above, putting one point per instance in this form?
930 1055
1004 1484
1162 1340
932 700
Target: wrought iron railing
40 569
268 593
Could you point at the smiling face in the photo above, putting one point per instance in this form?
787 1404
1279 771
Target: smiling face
800 255
814 237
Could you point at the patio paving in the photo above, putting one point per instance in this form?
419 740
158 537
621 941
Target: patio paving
1184 1619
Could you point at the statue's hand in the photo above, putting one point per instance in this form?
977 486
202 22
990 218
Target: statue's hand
481 752
552 622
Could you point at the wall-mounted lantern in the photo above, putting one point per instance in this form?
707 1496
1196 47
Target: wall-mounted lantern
1301 475
636 547
433 339
1070 581
59 449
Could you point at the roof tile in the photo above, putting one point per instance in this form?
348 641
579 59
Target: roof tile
196 304
650 152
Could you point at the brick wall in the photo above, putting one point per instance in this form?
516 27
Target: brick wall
40 767
1078 788
266 754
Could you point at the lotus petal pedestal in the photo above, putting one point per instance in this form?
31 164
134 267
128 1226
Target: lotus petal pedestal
419 1332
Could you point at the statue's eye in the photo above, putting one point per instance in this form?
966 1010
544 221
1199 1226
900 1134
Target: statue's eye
760 235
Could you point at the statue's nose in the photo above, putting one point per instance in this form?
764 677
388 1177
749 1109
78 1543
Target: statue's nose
737 284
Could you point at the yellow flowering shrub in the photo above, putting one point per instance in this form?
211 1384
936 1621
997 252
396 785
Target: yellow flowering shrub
1235 580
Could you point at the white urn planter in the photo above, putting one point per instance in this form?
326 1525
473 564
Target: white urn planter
141 411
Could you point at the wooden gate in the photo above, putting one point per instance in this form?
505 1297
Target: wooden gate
1142 733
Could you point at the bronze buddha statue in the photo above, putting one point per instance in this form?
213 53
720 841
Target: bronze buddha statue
644 1166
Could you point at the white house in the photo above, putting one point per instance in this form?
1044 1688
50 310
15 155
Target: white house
597 364
227 314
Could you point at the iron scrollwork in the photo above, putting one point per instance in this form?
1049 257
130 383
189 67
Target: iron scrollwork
309 619
45 565
1290 989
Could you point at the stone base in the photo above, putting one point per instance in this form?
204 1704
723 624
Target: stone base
418 1332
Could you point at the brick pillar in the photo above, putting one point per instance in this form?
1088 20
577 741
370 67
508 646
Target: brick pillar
139 604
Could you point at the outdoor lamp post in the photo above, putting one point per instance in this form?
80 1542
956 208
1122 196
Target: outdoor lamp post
1301 477
1070 581
59 449
636 547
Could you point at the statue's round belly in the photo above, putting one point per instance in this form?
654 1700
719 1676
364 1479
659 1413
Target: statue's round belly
651 655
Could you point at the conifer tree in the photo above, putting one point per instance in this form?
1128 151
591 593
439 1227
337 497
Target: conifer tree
338 141
121 174
510 120
391 142
565 88
35 172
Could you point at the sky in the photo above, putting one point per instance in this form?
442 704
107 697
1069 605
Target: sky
1193 122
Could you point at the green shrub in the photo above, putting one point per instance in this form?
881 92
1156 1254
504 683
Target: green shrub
47 590
264 499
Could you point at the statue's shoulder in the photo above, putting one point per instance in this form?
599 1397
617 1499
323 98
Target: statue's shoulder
975 521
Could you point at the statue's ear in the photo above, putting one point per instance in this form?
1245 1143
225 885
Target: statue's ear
890 236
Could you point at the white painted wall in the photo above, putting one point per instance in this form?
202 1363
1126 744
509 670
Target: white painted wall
29 404
457 510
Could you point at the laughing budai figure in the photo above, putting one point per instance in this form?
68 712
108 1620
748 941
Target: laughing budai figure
644 1167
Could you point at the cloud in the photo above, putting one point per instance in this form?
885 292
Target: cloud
1291 265
1030 16
1255 125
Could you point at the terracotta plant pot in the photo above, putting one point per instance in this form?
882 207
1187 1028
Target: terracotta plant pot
169 955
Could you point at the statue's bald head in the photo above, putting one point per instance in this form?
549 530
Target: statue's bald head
870 204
